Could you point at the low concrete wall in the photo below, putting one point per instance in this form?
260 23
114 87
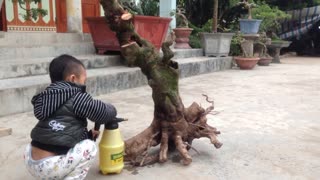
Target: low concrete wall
100 81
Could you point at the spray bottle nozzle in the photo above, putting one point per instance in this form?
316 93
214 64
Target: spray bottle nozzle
114 121
119 119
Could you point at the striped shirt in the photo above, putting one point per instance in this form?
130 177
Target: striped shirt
48 101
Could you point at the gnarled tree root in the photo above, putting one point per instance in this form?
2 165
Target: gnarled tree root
173 126
169 133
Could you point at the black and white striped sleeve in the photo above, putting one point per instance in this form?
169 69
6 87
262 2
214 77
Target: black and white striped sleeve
95 110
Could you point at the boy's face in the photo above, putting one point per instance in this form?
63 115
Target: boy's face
78 79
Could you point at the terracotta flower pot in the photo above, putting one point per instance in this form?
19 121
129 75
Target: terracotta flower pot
246 63
182 38
265 61
151 28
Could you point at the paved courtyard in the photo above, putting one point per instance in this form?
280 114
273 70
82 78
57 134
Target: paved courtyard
269 118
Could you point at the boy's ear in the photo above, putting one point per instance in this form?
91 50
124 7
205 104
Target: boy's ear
71 78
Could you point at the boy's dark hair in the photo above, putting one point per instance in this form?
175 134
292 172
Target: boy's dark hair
64 65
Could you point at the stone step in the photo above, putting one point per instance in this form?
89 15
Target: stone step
48 50
40 38
36 66
39 66
5 131
16 93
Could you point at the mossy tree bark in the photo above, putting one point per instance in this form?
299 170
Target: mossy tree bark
173 126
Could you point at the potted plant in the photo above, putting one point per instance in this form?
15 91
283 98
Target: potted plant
182 32
245 60
260 48
148 26
271 19
214 43
249 26
275 48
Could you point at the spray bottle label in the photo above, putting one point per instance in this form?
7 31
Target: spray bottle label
116 158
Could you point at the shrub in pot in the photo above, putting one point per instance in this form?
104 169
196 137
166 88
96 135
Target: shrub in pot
214 43
182 32
148 26
246 60
249 25
260 49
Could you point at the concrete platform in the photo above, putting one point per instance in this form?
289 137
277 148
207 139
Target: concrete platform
41 38
15 45
100 81
45 50
20 67
39 66
268 117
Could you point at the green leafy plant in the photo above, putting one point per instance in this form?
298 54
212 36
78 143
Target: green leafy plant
235 47
144 7
32 13
260 46
293 4
182 21
249 6
150 7
195 36
195 41
270 16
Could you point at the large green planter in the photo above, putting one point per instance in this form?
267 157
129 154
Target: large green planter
216 44
274 49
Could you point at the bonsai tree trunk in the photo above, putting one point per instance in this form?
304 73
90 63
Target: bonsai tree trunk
249 13
215 16
173 126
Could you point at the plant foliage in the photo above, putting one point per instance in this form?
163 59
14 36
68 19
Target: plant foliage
32 13
270 16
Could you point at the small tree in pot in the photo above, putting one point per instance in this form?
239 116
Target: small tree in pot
182 32
246 60
260 49
249 26
214 43
146 20
271 24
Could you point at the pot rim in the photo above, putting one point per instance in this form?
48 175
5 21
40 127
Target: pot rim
246 58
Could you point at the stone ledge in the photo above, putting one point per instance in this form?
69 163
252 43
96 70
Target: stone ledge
21 67
16 93
50 50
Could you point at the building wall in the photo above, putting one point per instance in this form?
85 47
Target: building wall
16 21
74 16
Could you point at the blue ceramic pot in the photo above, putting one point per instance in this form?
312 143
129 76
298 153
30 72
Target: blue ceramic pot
249 26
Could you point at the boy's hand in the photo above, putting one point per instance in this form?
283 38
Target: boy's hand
94 134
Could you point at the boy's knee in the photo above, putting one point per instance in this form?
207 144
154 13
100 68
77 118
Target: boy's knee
90 146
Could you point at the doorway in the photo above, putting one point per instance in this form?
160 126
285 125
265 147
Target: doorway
3 19
61 19
90 8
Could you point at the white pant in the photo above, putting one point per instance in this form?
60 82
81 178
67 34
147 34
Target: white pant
74 165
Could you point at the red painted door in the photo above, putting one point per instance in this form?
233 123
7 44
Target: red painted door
3 20
90 8
61 20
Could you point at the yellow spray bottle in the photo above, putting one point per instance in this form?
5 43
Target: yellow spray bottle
111 148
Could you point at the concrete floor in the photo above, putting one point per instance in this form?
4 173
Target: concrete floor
269 118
